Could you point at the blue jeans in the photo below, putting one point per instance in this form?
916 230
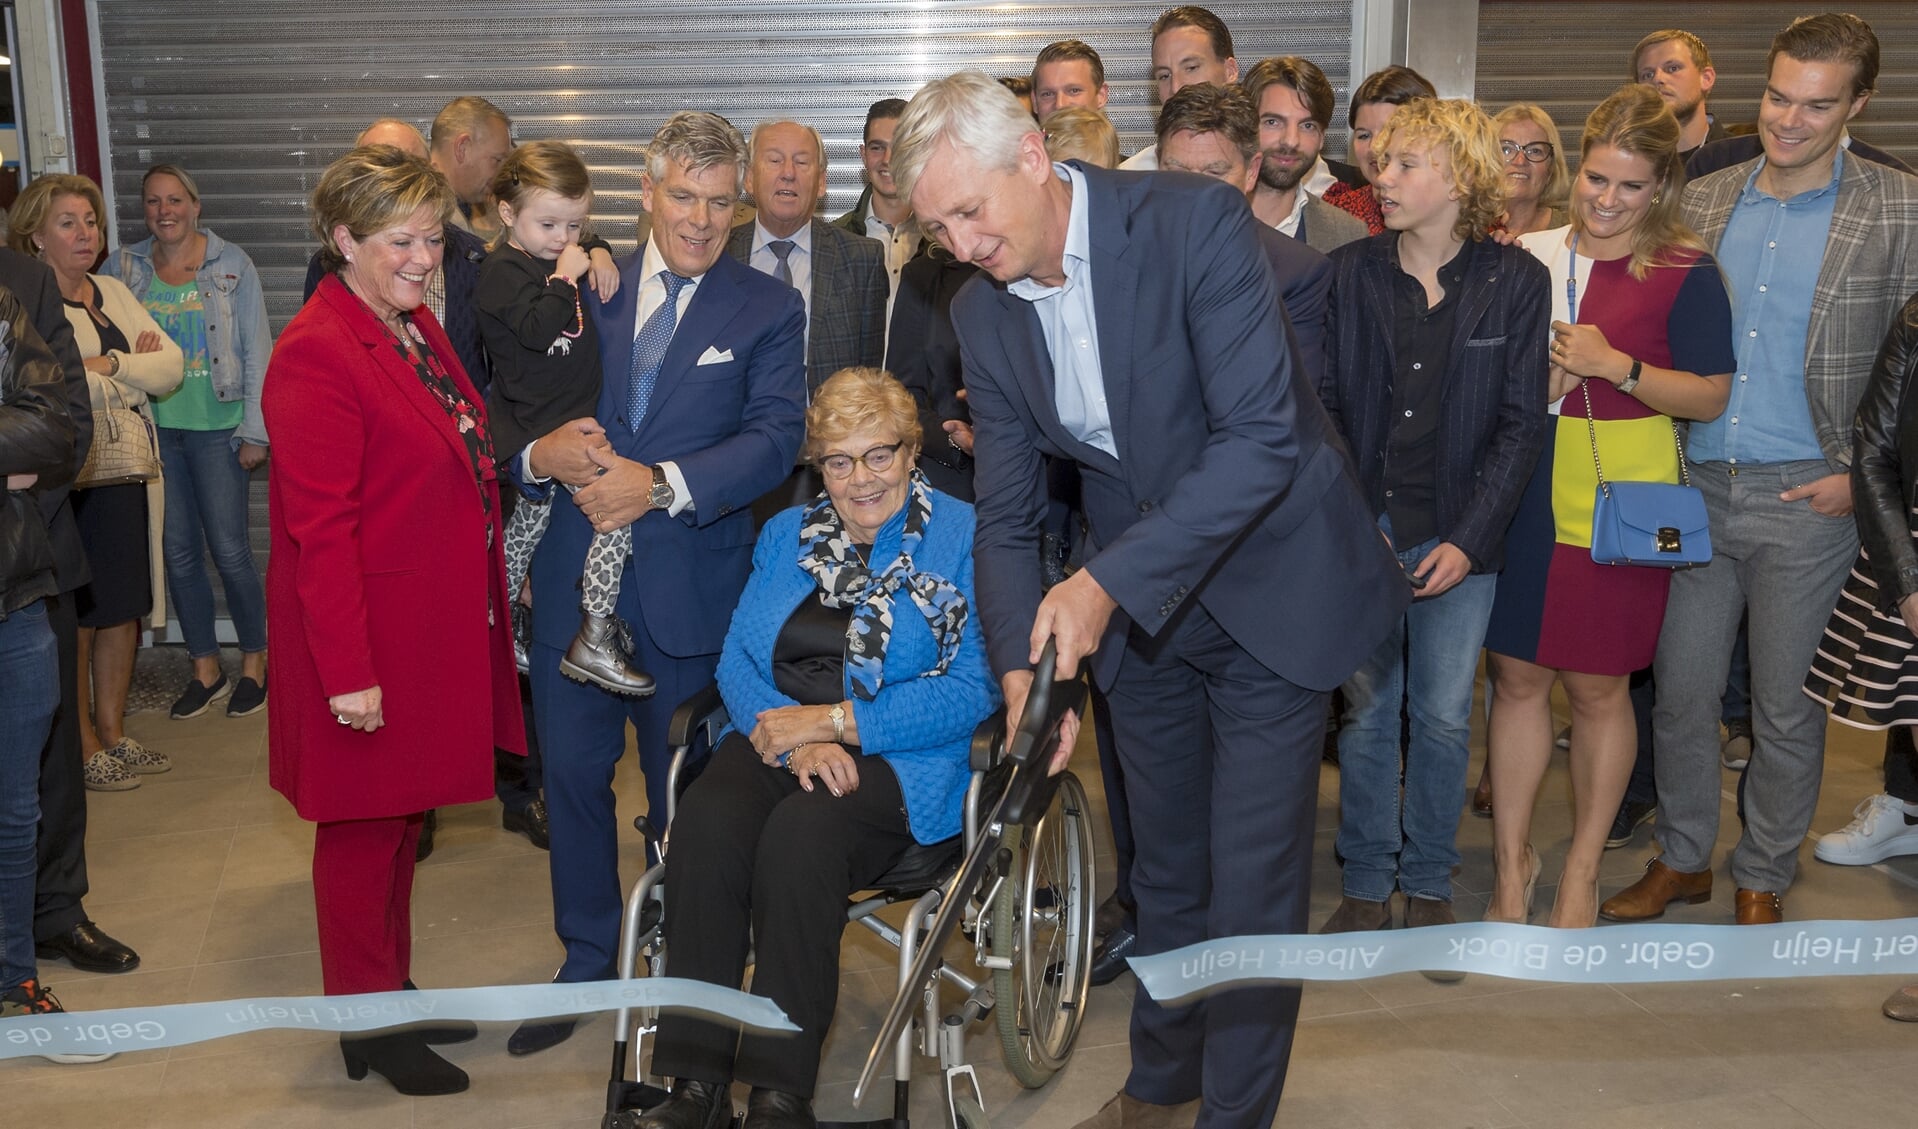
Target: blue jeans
1408 838
29 694
206 508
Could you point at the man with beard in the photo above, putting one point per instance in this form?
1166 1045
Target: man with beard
1294 102
1676 63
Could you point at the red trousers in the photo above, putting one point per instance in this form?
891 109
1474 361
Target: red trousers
363 895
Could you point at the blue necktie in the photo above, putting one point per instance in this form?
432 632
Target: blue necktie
649 349
782 270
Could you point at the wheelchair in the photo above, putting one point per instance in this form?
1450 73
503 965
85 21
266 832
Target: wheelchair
1028 921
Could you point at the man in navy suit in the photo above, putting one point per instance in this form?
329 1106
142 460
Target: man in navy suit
1214 131
1129 322
700 412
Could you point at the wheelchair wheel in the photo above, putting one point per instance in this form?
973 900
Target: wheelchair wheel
1042 921
968 1114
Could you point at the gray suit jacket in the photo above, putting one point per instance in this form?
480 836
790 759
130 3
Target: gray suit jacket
849 292
1870 268
1328 227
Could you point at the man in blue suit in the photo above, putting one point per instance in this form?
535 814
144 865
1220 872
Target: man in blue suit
1130 322
701 410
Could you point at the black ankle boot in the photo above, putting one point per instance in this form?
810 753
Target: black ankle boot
770 1109
403 1059
694 1105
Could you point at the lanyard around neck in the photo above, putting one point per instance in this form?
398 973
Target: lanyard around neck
1571 283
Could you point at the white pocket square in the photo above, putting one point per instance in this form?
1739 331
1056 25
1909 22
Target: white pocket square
714 356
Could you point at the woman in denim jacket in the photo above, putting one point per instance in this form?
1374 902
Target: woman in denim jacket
205 293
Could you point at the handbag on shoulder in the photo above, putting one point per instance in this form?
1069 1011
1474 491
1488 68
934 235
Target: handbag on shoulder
125 446
1653 524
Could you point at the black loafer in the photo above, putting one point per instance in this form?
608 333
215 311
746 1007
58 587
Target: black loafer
694 1105
88 948
770 1109
536 1035
529 821
1109 960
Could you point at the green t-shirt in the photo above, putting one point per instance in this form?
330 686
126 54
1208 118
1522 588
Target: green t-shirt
192 406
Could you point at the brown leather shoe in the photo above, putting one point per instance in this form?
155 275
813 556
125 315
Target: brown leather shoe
1760 907
1357 915
1661 886
1127 1112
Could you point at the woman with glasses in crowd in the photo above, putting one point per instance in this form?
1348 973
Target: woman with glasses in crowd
1535 176
855 673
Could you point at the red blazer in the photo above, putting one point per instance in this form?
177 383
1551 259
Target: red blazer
380 575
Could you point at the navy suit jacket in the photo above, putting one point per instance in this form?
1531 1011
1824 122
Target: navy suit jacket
1230 487
732 426
464 253
1305 287
1492 419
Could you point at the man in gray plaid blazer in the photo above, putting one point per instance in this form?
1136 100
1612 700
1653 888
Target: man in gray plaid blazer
841 276
1819 250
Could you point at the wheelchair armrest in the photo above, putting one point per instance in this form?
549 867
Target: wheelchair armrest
989 741
703 710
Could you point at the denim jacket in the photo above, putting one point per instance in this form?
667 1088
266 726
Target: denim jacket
238 340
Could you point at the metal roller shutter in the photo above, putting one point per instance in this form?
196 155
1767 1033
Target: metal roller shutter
1568 57
255 97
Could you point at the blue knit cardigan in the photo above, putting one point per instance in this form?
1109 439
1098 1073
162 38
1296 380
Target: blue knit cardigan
920 723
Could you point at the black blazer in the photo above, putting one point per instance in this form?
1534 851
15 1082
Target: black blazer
464 253
1305 289
1884 462
922 350
1492 421
32 282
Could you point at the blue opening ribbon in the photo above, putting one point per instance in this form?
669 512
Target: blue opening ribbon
171 1025
1617 954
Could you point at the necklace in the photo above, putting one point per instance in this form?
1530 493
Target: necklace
579 313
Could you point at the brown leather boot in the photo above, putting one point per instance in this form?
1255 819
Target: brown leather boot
1661 886
1760 907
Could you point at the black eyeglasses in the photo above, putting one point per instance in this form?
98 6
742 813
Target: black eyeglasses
878 460
1538 152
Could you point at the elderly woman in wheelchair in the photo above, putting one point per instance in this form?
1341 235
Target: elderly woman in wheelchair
855 675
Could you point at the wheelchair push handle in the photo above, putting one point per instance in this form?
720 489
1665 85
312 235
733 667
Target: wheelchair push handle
1030 792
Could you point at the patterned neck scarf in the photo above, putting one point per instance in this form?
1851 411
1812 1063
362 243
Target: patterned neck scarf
827 552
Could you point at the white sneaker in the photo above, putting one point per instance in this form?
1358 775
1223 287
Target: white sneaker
1877 832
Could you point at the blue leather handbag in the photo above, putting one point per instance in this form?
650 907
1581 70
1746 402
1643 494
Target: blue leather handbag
1652 524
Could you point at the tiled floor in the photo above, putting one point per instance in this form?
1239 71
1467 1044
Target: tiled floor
204 870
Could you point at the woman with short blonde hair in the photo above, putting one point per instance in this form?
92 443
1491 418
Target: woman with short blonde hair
128 359
386 586
855 673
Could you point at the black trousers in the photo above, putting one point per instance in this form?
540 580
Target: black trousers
516 779
1901 764
757 861
1221 759
61 880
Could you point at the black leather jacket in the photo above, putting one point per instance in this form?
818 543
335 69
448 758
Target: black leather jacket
1884 462
37 437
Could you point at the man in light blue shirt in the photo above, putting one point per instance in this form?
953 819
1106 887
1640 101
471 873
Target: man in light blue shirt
1819 249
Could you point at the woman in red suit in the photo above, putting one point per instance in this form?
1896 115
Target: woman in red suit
392 659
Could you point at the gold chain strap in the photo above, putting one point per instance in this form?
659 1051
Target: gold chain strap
1591 431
